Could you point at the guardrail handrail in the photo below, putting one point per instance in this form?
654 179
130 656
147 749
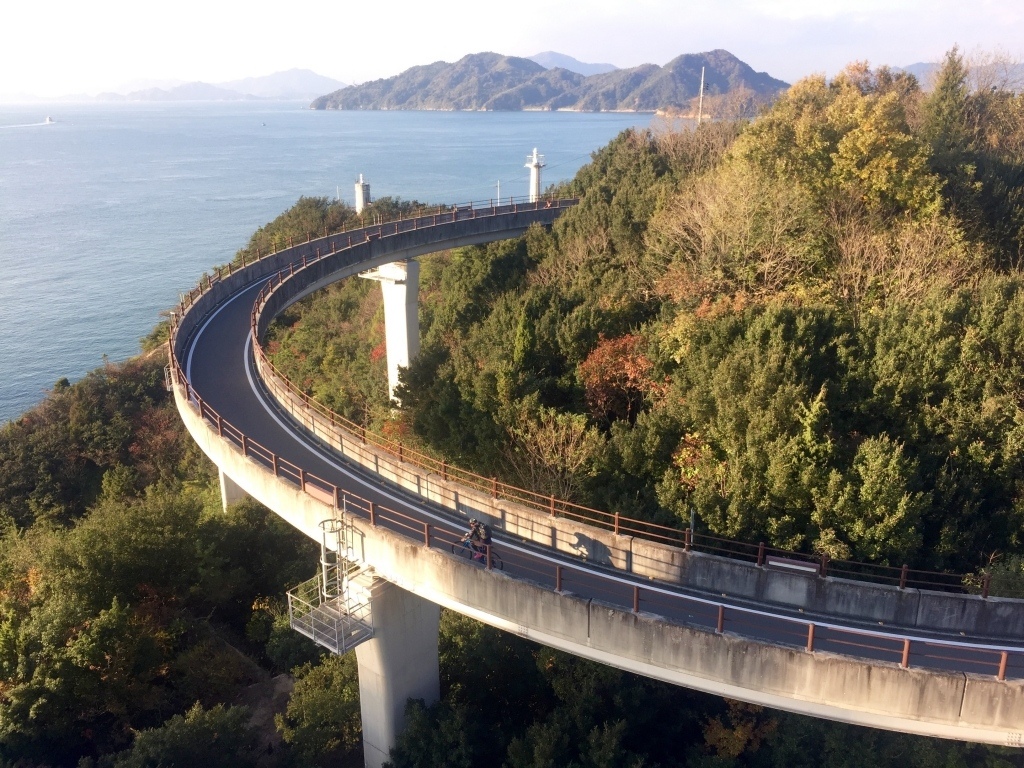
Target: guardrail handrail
721 616
691 541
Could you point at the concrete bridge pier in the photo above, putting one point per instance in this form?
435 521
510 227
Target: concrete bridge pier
397 664
400 284
230 491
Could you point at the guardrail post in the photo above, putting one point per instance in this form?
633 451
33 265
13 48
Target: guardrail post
905 663
494 487
490 565
220 426
401 454
302 479
986 582
558 578
274 459
551 506
760 553
245 445
616 529
444 470
337 497
1001 675
810 638
362 434
373 514
426 534
824 565
687 539
720 627
636 599
903 576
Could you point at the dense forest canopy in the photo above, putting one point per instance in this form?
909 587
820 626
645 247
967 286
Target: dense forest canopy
806 328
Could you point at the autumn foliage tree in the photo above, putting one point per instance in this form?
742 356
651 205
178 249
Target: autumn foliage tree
616 377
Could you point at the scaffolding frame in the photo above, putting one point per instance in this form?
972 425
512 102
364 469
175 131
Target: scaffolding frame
333 608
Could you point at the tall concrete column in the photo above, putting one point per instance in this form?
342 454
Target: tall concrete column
230 491
399 663
400 284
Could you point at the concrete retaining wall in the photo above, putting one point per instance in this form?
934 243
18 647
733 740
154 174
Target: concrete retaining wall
849 690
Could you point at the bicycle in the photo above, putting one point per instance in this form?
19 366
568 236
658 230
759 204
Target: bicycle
465 548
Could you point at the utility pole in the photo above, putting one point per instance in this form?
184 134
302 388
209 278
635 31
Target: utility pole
700 103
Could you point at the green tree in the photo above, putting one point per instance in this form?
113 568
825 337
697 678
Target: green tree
219 737
322 721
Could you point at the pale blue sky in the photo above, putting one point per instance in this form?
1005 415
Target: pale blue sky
68 46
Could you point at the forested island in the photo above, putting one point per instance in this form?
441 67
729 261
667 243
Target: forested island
490 81
807 328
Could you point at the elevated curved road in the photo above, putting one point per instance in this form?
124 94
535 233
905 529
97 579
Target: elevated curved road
928 682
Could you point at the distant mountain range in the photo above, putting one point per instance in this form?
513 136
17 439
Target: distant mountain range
553 60
295 84
490 81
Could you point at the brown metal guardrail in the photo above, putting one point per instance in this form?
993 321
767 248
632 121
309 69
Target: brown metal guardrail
757 553
903 649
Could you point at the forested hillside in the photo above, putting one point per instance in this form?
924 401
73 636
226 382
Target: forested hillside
807 328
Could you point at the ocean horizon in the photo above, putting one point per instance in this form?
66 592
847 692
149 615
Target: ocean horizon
112 210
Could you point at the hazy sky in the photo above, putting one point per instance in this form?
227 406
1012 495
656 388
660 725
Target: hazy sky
69 46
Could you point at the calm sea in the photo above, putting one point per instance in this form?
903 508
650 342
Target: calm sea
111 211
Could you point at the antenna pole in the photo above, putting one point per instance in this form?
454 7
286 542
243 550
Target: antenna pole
700 103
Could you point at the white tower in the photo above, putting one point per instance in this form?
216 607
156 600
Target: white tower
362 194
400 283
534 162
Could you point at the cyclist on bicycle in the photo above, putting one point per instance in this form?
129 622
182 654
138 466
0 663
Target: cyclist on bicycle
479 538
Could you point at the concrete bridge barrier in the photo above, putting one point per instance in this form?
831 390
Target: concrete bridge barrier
861 691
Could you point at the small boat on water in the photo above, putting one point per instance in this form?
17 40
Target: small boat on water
48 121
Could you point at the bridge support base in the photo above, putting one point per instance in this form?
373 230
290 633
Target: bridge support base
400 283
230 491
399 663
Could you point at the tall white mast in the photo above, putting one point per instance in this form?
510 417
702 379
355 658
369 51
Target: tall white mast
534 162
700 107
